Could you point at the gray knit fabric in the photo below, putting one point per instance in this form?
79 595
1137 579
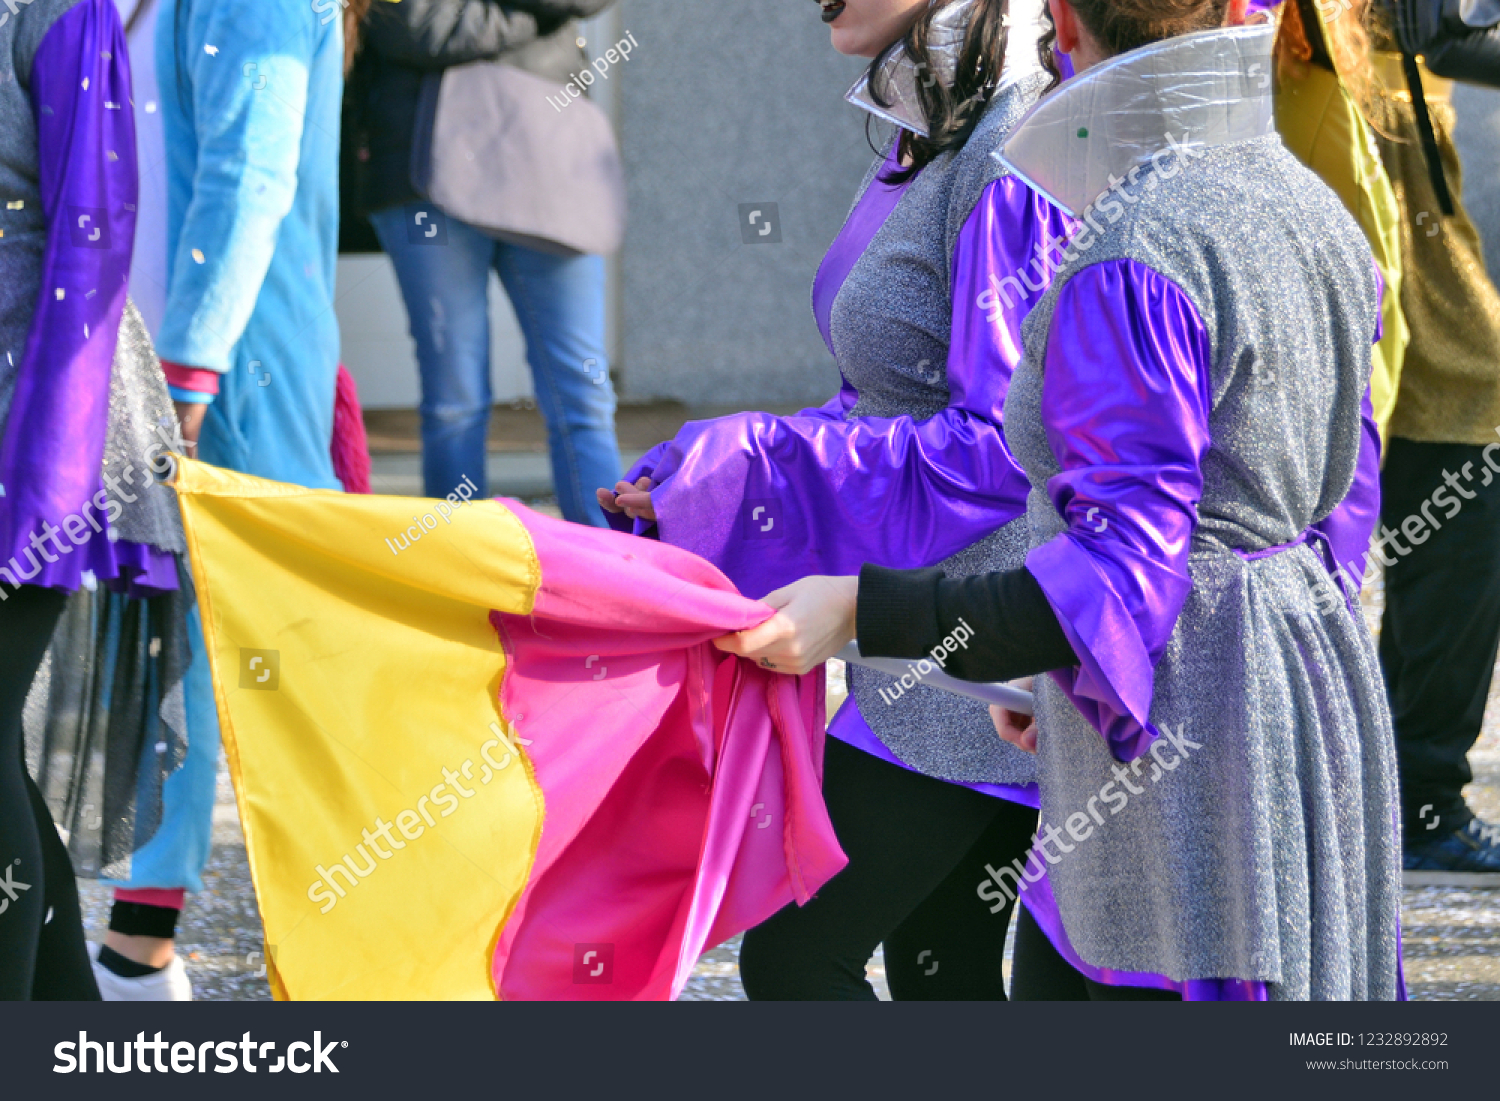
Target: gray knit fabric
142 428
1270 851
890 329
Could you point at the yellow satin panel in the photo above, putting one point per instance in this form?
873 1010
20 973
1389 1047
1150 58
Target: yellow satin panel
378 671
1322 126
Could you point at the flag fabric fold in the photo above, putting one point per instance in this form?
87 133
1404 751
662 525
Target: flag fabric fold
480 752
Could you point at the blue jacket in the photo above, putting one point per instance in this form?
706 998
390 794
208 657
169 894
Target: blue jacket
250 95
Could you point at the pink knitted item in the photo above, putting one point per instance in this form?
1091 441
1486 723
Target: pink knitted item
350 448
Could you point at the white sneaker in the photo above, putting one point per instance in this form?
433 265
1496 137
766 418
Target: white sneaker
170 984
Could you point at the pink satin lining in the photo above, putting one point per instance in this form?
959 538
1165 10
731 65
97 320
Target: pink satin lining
683 786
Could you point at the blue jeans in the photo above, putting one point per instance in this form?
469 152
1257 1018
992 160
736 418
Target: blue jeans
443 266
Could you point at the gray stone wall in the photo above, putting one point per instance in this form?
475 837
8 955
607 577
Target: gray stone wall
1478 139
725 110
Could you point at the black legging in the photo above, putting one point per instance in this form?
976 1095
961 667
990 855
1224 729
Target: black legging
917 848
40 959
1441 628
1042 975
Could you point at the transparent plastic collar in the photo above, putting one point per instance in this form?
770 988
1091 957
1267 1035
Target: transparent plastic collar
900 77
1158 104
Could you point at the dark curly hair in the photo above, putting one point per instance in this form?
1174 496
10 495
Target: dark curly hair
952 111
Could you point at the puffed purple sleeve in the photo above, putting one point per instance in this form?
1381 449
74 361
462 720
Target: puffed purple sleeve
771 499
1125 402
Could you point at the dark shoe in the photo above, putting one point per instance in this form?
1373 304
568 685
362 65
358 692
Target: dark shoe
1469 857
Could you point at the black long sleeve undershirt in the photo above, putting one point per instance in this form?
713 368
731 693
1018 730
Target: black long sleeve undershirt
908 613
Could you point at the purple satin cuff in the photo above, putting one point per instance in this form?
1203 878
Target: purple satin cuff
53 448
1042 905
849 727
1125 401
770 499
864 221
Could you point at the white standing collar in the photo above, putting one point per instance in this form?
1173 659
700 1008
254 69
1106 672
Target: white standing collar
899 77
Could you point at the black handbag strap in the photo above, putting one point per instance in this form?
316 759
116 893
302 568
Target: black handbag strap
1427 135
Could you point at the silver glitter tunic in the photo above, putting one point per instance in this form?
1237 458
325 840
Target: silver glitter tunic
890 328
1269 852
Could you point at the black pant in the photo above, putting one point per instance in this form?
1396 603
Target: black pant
42 951
1442 622
1042 975
917 848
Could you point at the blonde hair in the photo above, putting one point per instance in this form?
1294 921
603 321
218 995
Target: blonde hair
1340 40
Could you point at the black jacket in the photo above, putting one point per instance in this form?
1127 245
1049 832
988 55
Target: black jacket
401 43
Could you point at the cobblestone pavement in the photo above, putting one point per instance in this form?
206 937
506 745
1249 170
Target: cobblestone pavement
1451 937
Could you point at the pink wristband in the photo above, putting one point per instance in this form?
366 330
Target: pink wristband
198 379
170 899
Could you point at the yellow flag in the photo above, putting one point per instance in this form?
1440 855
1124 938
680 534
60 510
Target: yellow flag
391 820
